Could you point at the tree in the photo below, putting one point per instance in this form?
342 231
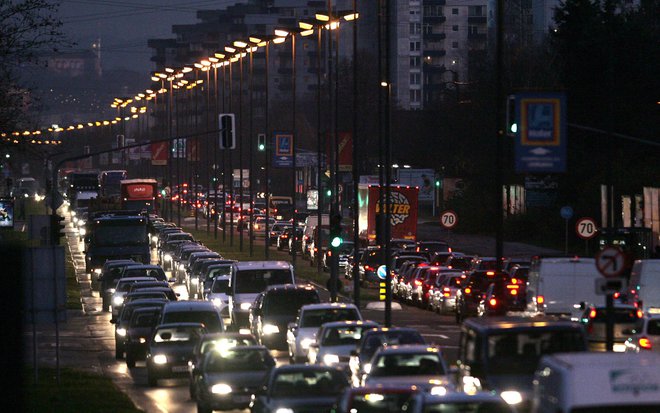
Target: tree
27 28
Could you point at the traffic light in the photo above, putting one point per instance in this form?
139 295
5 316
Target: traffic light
261 142
511 116
335 231
328 192
56 225
227 131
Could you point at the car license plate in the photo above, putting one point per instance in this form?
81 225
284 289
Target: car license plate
179 369
241 399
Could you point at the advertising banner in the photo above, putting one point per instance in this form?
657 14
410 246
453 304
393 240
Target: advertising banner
159 153
283 153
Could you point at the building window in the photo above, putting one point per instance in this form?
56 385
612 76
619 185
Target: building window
414 46
414 61
454 11
454 28
415 28
415 95
415 78
473 30
476 11
454 45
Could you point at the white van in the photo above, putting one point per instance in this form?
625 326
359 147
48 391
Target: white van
248 279
308 230
562 286
645 285
590 382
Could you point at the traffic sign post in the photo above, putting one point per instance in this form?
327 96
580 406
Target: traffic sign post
448 219
566 212
586 229
611 263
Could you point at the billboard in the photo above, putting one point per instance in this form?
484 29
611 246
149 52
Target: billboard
6 213
421 178
283 153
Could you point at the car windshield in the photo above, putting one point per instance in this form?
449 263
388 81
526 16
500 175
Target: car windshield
289 302
408 364
156 273
220 286
519 352
490 407
238 359
124 286
308 383
375 341
218 271
224 343
379 402
314 318
210 319
116 235
144 320
343 335
178 335
255 281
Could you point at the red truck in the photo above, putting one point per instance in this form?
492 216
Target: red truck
139 194
403 211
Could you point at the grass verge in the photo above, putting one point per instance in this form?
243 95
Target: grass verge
77 392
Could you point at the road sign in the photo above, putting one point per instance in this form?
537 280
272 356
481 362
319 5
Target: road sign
381 272
611 262
586 228
448 219
566 212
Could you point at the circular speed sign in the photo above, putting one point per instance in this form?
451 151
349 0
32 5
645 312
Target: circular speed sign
448 219
586 228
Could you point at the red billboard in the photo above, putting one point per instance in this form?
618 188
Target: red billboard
159 153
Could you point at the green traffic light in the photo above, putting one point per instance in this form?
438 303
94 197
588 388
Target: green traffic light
437 183
262 147
336 241
328 192
514 127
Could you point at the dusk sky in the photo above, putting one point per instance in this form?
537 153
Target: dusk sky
124 26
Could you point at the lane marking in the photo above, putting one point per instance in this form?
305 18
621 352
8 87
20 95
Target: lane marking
436 335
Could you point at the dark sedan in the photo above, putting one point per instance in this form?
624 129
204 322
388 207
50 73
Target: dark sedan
170 350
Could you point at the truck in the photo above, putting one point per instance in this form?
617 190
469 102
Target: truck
403 207
110 182
139 194
82 181
116 236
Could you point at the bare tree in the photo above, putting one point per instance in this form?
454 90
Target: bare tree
27 28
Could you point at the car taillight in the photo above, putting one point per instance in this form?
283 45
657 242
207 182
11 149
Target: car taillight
645 343
592 314
446 292
540 299
492 302
640 314
514 292
468 290
329 253
418 282
616 295
368 268
490 273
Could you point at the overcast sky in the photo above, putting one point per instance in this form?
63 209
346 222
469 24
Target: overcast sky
124 26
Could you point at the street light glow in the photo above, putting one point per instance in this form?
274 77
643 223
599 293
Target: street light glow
281 33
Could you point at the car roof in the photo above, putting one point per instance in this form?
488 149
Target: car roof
136 279
189 305
460 397
289 287
507 323
142 301
144 267
365 323
181 324
226 334
324 306
286 368
383 388
391 329
270 265
410 348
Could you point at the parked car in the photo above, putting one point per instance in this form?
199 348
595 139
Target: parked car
170 350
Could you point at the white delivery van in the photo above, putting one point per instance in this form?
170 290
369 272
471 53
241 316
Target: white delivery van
594 382
562 286
645 285
308 230
247 280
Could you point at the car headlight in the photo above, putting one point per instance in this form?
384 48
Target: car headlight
154 239
75 219
512 397
217 302
81 222
143 340
73 213
284 410
439 390
306 342
82 231
160 359
246 306
121 331
167 257
367 368
271 329
221 388
182 267
112 291
194 281
117 301
97 271
330 359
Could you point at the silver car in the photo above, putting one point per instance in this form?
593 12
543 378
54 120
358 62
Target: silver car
645 336
335 341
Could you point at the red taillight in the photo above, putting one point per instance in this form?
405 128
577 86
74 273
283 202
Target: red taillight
540 299
418 282
492 302
329 253
616 295
640 314
490 273
645 343
514 292
368 268
468 290
449 249
592 314
514 281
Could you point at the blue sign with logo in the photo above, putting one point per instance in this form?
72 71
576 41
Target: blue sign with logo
566 212
382 272
541 137
283 153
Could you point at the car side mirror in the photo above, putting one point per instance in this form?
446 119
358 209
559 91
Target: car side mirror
113 321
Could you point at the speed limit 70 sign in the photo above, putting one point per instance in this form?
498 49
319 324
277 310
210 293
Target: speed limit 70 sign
586 228
448 219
